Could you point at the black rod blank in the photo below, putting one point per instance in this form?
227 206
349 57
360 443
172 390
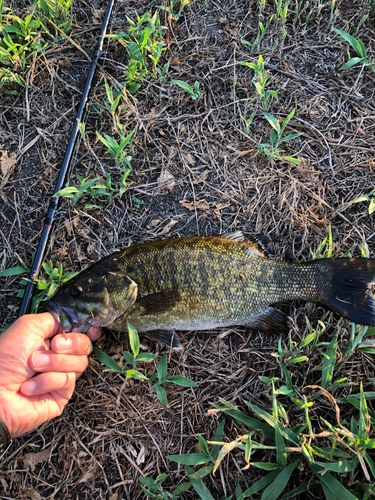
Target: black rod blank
64 169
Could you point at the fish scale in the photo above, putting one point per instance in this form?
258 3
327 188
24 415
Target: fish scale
207 282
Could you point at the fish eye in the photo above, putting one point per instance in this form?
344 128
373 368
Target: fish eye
75 291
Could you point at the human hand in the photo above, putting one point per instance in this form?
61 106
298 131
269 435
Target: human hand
39 365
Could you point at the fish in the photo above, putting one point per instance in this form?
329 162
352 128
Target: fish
200 283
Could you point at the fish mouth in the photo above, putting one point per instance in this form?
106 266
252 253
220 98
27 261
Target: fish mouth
67 318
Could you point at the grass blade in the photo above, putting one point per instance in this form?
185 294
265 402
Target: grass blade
281 457
182 381
134 339
287 433
335 487
259 485
253 423
107 361
190 459
199 486
272 121
162 369
341 466
218 437
275 489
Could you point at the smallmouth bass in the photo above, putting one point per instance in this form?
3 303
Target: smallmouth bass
199 283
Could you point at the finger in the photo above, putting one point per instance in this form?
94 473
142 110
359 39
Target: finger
49 361
47 382
62 396
72 343
94 333
42 325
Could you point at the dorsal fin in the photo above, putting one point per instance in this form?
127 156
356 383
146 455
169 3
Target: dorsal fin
262 242
259 244
237 236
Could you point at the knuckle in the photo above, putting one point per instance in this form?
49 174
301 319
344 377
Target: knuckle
70 380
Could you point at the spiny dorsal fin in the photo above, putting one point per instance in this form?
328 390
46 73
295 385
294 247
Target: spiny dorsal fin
270 320
158 302
166 337
237 236
259 244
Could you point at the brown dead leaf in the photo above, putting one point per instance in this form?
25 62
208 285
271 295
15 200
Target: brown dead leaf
30 460
202 177
4 485
97 15
31 495
114 496
199 205
65 63
166 180
87 476
8 162
168 227
220 206
153 223
141 456
189 158
287 66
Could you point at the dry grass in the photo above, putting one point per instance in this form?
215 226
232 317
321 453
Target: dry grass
93 448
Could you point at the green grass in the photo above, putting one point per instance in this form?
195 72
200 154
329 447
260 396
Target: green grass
193 91
156 380
292 435
144 46
21 38
271 149
360 50
48 282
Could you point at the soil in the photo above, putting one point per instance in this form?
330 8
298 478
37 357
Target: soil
221 183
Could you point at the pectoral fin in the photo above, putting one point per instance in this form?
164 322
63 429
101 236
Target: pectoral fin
158 302
269 320
166 337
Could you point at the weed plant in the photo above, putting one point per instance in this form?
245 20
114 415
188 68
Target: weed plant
175 8
193 91
359 48
271 149
131 358
259 82
144 45
95 188
370 198
23 38
48 282
287 435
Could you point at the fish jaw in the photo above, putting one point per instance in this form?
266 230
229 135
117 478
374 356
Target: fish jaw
67 318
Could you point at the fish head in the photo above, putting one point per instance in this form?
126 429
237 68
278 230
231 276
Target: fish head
92 298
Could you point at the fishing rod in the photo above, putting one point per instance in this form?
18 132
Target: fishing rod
48 223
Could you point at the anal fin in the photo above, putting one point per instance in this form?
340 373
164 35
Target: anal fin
270 320
166 337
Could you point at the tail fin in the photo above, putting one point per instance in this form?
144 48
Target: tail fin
348 287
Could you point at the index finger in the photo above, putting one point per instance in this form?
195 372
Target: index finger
42 325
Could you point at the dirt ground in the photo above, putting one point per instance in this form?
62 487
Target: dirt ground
219 185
